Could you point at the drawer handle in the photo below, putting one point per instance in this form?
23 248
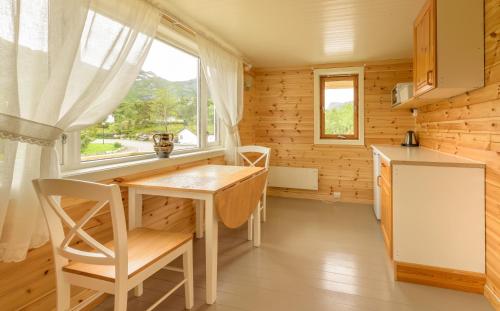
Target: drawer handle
378 181
429 76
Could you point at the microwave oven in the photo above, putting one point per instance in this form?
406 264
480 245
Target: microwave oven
401 93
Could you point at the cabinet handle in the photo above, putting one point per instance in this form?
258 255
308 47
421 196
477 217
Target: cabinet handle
378 180
429 77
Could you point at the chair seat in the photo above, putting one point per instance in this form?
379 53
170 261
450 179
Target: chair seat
145 247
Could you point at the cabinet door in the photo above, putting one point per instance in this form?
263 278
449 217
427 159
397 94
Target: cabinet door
386 208
424 58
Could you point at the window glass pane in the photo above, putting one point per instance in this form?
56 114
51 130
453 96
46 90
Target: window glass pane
339 107
163 98
212 130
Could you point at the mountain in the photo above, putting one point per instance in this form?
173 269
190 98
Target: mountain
146 82
336 105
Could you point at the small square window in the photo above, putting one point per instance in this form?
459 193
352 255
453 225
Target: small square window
338 109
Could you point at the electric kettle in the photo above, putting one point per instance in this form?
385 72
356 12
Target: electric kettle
410 140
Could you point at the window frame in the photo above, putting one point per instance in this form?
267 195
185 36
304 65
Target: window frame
204 95
323 80
320 77
71 156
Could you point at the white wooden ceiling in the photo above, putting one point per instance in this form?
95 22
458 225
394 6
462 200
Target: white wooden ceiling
276 33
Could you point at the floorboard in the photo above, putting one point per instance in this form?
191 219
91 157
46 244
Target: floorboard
314 256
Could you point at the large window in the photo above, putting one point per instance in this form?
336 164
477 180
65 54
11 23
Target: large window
339 106
165 97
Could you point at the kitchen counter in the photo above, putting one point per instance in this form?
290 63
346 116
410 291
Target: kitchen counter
428 201
422 156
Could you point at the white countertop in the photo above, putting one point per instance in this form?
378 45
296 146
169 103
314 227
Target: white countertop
422 156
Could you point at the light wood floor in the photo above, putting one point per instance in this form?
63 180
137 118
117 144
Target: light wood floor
314 256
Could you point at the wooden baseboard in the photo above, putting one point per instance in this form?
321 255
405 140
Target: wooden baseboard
440 277
492 297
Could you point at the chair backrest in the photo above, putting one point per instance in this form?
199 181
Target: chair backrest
49 192
245 195
265 154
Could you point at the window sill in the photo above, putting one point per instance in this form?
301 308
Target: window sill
340 142
99 173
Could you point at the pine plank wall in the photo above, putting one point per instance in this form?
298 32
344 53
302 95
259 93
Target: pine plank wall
469 125
283 111
278 113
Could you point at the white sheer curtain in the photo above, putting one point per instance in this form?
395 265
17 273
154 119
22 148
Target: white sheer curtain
64 65
224 74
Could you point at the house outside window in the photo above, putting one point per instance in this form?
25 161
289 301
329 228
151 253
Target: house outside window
170 95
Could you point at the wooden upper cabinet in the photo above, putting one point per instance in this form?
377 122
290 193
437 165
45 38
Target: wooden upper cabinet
448 51
424 59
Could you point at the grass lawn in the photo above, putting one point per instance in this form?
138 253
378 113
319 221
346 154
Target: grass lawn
96 148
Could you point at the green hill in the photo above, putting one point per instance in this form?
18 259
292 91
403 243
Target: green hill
153 104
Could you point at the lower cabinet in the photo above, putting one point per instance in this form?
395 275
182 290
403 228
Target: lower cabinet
432 221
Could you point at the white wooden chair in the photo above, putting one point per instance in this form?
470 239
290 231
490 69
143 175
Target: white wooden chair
114 267
262 160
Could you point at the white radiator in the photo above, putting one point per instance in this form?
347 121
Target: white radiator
293 177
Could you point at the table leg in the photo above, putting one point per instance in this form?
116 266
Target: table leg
134 209
211 241
134 221
250 228
200 208
256 225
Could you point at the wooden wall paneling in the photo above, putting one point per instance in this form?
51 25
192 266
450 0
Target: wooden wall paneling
247 124
284 121
468 125
30 285
492 41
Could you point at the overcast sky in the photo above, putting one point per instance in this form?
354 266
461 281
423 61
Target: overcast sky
335 98
170 63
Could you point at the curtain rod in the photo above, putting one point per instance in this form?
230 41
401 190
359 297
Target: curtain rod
190 30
